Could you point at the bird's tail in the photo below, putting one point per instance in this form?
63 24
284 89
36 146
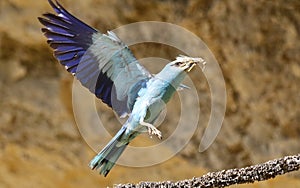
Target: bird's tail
108 156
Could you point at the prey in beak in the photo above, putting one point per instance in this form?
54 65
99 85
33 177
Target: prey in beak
188 63
191 66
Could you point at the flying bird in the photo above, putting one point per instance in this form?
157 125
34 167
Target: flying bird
106 66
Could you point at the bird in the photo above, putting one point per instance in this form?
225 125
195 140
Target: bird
106 67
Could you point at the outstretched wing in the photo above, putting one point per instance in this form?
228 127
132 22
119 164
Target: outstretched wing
101 62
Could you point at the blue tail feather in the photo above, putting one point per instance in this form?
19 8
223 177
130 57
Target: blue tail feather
108 156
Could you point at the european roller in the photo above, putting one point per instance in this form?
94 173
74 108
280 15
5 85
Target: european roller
107 67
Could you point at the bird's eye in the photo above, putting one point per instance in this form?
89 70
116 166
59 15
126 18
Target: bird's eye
178 63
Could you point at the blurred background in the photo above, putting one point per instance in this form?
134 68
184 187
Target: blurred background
256 43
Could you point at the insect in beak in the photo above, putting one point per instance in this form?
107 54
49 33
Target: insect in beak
191 67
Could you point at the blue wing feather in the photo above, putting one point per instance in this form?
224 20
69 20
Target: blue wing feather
55 21
70 63
101 62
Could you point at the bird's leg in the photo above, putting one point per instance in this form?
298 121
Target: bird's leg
151 129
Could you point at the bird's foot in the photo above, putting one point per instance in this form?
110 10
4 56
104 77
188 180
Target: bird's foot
152 130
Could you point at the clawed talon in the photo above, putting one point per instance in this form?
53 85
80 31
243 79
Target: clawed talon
152 130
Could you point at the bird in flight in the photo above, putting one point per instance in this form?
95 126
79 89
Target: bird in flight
106 66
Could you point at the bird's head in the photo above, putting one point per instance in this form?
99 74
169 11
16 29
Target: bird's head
186 63
175 71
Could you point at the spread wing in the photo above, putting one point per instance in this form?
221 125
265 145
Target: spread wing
101 62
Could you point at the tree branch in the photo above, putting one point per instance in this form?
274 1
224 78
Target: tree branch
259 172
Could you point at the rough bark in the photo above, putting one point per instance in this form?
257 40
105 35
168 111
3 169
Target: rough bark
223 178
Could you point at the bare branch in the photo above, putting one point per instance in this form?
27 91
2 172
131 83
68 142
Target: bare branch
259 172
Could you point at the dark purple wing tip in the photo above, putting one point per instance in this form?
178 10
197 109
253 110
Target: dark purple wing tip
70 38
67 35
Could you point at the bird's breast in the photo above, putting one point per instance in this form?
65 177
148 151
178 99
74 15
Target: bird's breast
152 100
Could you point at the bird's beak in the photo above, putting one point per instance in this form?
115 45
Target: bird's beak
195 61
191 65
188 63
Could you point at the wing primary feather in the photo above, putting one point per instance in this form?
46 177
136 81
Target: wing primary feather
56 25
57 19
48 32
